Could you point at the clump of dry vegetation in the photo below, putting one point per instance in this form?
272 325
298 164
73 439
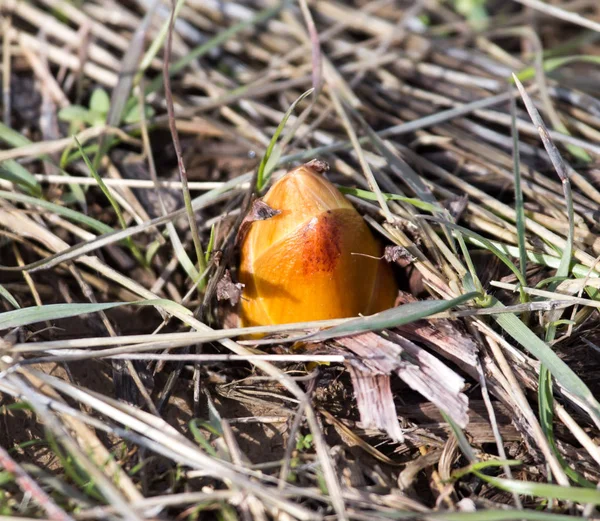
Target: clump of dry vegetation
135 137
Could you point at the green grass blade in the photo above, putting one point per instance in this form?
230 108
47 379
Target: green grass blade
114 236
391 318
34 314
105 190
15 173
501 515
15 139
211 244
157 43
519 202
215 41
12 137
4 293
482 465
553 64
63 211
543 259
544 490
264 173
370 196
486 243
563 374
561 170
546 412
545 402
181 254
200 438
463 443
120 95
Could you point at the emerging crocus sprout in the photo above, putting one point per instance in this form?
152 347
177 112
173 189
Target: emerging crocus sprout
314 260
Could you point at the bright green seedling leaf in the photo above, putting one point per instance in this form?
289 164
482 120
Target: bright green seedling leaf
28 444
472 282
562 322
545 401
322 483
272 162
79 114
168 305
34 314
549 281
6 295
474 11
304 442
6 478
136 469
19 406
133 115
263 173
74 471
181 254
102 185
210 428
100 101
394 317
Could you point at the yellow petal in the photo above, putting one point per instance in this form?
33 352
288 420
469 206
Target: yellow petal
303 265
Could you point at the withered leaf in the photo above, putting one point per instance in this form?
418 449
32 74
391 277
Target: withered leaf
446 337
398 254
318 165
375 402
217 256
378 356
260 211
229 290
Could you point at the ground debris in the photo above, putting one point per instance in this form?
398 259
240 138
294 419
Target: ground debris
229 290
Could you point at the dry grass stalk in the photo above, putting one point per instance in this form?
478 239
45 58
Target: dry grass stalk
410 101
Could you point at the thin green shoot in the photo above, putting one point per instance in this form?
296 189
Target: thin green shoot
106 191
519 201
272 154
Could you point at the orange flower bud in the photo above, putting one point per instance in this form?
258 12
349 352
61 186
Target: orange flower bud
301 265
